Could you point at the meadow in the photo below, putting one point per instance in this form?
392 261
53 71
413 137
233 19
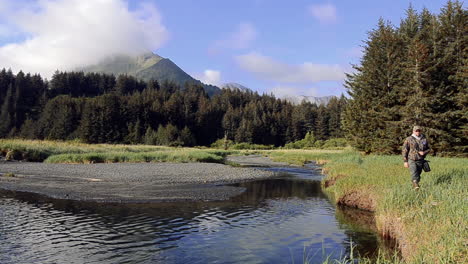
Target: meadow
430 224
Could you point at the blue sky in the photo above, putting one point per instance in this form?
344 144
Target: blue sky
286 47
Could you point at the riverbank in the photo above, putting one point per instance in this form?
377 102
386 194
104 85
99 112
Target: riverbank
128 182
429 225
80 153
74 152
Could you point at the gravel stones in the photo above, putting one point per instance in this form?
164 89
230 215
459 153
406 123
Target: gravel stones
128 182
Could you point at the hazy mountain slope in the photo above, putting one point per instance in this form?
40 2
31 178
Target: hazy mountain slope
297 99
146 67
235 86
123 64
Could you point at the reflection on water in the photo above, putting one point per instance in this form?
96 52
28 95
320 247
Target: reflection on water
274 221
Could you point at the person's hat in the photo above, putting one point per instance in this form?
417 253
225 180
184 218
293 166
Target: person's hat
417 128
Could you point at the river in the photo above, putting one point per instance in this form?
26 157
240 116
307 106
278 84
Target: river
287 219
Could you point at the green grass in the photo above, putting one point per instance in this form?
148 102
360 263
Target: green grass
300 157
154 156
309 257
76 152
432 220
381 258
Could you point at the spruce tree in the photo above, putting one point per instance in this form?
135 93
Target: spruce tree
371 119
186 137
28 129
151 137
134 132
7 112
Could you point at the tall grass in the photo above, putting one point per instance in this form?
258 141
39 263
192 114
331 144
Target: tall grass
76 152
300 157
155 156
433 219
356 259
352 257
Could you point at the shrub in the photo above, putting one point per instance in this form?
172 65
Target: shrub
335 142
309 141
222 143
244 145
319 143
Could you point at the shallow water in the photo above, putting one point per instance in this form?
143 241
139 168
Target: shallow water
282 220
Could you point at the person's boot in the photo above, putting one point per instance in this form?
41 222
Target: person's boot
415 185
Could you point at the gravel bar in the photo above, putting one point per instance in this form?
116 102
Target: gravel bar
256 161
128 182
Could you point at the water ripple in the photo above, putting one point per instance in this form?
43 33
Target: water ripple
273 221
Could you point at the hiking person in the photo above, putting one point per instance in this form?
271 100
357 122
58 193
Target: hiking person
414 151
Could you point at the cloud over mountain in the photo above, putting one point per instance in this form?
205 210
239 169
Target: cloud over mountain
212 77
65 34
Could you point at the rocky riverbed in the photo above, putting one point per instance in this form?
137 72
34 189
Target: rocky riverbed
128 182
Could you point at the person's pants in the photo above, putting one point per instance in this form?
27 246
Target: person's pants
415 167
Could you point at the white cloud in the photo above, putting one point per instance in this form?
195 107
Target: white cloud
210 77
65 34
241 38
269 69
324 13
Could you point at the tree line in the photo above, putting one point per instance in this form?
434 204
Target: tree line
100 108
412 74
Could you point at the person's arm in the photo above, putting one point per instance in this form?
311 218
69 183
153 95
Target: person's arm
428 148
405 150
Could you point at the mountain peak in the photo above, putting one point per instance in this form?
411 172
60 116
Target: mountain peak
147 66
148 59
235 86
125 64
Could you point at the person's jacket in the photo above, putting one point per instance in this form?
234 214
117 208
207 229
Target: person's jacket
412 146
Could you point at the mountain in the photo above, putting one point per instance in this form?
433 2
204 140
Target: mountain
297 99
236 86
146 67
294 99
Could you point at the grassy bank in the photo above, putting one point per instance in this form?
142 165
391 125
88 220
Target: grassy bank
75 152
429 224
300 157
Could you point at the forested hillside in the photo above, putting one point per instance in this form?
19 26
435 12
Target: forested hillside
412 74
100 108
